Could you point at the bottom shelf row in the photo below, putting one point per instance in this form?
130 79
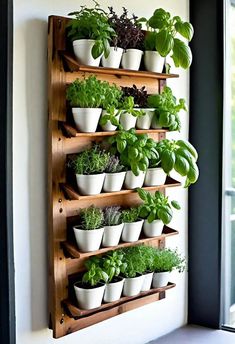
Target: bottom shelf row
124 304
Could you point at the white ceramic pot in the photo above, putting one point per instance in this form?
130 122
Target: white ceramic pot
131 231
155 124
89 298
132 286
114 58
113 291
90 184
155 176
147 281
160 279
82 50
127 120
132 182
109 126
88 240
144 122
86 119
113 181
153 229
153 61
131 59
112 235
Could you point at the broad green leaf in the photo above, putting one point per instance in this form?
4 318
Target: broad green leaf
181 165
97 49
168 160
176 205
185 29
182 55
189 147
121 145
143 194
193 173
164 42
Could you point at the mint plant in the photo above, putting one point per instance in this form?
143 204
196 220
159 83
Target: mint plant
167 109
92 23
156 206
92 218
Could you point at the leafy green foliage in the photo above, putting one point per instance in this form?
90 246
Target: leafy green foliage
167 109
135 150
112 216
156 206
128 30
130 215
92 218
135 262
181 156
113 264
168 260
162 37
94 275
111 115
128 105
93 93
92 23
91 161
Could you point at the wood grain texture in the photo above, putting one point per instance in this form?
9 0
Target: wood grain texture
61 266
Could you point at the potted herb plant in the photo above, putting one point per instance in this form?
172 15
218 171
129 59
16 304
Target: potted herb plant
90 232
129 38
165 261
135 152
109 120
128 114
180 156
135 267
91 34
167 110
157 212
113 266
163 39
85 97
155 174
89 292
114 175
89 167
147 254
132 224
140 96
113 226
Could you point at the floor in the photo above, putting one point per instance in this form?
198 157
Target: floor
196 335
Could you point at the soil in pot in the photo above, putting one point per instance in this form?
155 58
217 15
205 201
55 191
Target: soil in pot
113 290
89 297
88 240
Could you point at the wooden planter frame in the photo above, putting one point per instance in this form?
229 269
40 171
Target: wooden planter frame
63 200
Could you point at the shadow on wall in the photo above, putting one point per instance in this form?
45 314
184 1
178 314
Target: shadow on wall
36 95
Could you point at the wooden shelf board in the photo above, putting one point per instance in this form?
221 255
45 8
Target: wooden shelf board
74 67
74 195
124 304
72 250
72 132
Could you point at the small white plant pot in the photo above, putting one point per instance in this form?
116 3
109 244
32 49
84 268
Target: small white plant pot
82 50
132 182
88 240
153 61
132 286
114 58
109 126
144 122
153 229
127 120
155 124
147 281
89 298
160 279
113 290
112 235
90 184
131 59
86 119
131 231
155 176
113 181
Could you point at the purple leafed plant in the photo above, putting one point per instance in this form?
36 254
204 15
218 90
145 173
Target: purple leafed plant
140 95
114 165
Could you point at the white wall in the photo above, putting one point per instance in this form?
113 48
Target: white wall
30 230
